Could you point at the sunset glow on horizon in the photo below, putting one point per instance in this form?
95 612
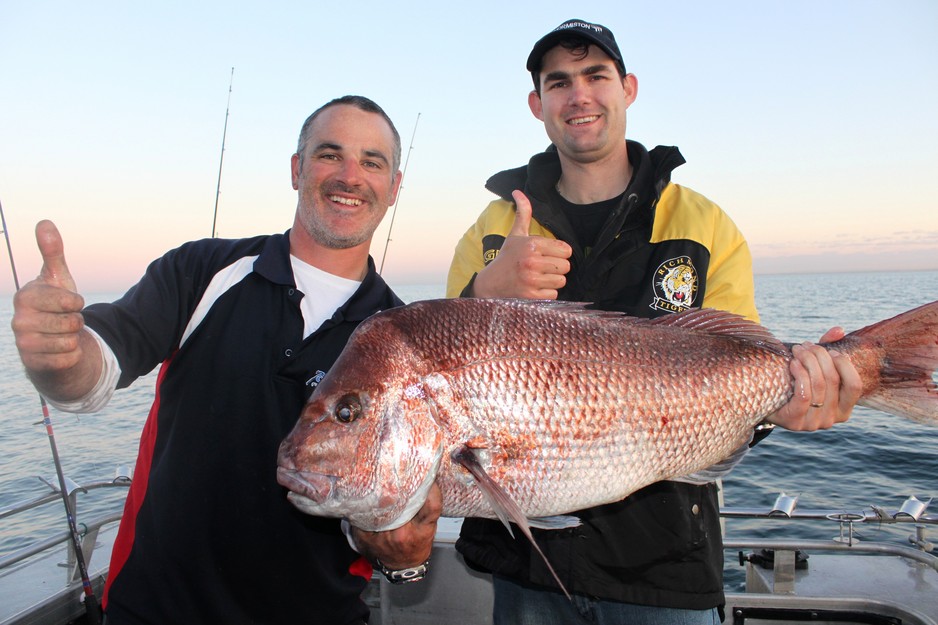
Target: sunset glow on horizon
810 124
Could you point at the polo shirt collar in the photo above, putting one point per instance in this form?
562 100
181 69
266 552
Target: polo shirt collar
273 264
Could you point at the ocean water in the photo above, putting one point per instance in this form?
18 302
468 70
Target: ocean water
875 458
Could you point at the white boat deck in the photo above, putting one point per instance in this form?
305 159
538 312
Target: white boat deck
823 594
892 587
851 588
36 592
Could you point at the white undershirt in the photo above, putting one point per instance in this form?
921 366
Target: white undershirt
324 293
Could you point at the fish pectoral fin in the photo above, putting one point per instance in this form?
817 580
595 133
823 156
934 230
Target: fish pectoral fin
560 522
718 470
502 504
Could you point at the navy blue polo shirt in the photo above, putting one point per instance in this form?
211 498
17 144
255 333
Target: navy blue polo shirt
208 535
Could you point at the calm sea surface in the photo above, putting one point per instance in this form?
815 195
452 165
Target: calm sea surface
874 459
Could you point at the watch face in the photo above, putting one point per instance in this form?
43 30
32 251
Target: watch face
404 576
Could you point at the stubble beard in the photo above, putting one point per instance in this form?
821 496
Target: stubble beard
585 150
316 224
598 145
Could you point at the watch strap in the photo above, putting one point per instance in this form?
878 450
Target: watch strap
405 576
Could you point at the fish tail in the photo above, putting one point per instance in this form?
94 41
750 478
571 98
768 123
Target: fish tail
898 361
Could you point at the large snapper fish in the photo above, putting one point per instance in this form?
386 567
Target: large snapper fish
522 409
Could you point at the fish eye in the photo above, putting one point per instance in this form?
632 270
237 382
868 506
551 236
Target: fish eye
348 409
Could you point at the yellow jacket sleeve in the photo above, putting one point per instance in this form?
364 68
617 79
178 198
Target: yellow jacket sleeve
684 213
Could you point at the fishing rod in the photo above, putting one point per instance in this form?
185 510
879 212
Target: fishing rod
92 608
398 200
221 160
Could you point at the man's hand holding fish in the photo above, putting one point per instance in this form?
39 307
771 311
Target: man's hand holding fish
827 387
405 548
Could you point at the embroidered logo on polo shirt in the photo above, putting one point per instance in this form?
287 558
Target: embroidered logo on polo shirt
675 285
314 381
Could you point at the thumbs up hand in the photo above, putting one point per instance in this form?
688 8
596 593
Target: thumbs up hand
49 327
527 266
54 269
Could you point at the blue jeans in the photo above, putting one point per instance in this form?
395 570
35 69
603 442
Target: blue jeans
517 605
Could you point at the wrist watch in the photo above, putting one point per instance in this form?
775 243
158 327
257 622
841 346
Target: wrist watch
405 576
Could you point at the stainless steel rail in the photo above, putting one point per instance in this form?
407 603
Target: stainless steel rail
90 527
833 545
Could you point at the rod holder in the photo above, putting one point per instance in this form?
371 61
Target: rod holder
784 505
913 507
70 485
122 474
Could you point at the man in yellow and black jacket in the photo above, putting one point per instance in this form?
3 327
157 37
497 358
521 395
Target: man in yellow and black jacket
652 255
596 218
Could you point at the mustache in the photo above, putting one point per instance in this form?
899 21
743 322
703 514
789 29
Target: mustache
362 192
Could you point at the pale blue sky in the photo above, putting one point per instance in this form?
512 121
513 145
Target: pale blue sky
811 123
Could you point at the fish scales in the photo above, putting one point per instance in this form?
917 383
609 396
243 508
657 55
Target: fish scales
576 427
564 408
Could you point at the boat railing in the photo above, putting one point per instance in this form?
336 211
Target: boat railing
778 586
912 512
88 527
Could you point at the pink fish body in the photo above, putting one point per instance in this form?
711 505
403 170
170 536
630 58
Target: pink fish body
555 408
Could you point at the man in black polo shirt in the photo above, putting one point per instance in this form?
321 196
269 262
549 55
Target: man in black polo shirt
243 330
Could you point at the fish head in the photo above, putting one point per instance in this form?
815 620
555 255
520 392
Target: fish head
366 447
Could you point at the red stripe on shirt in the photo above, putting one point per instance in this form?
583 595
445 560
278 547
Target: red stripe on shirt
124 542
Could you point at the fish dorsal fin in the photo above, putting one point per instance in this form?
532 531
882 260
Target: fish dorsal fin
705 320
722 323
504 506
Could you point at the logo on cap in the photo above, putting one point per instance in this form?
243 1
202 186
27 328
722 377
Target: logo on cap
575 24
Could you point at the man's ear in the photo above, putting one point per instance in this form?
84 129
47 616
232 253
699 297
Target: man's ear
630 87
534 103
295 171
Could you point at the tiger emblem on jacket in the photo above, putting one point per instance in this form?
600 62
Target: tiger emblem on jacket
678 285
675 285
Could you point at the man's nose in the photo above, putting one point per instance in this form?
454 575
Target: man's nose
351 171
580 92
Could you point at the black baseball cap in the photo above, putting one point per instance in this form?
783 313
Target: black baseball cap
577 29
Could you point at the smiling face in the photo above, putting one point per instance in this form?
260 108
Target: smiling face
346 177
582 103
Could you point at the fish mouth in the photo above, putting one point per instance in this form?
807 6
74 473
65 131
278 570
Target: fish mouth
307 484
